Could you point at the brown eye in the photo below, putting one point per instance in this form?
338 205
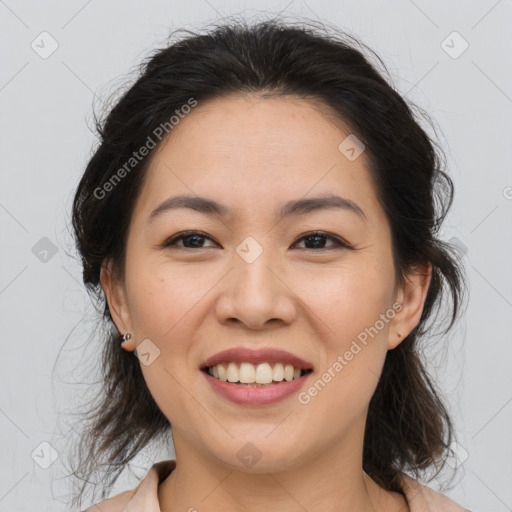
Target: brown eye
195 240
317 241
191 240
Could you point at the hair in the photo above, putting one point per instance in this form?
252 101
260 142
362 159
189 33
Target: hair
408 428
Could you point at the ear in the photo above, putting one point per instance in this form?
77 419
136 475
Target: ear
411 295
116 297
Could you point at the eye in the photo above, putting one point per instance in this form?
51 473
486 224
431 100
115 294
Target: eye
191 239
318 243
195 240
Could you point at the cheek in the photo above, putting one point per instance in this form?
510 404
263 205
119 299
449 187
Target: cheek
162 296
349 298
354 307
162 307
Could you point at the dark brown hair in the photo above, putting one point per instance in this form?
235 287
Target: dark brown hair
408 427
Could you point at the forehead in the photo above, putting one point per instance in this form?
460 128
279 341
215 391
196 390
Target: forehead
251 152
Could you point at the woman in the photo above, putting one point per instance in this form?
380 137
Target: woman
261 216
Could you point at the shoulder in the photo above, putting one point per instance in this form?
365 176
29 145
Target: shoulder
115 504
421 498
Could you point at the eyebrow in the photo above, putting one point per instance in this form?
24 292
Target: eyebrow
291 208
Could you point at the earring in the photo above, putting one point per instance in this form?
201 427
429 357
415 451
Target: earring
126 337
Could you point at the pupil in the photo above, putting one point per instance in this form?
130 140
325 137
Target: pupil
193 244
316 237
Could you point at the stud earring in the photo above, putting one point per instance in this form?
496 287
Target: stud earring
126 337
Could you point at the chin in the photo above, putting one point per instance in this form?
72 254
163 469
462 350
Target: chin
257 453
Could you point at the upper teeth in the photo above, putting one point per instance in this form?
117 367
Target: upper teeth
247 373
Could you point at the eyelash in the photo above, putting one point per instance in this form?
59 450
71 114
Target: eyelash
340 244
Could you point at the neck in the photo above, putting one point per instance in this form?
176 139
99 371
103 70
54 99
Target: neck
329 482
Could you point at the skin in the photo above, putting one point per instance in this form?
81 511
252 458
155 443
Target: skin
252 154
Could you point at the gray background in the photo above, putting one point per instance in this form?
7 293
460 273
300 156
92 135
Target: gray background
46 112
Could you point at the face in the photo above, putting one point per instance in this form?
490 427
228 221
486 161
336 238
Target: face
254 279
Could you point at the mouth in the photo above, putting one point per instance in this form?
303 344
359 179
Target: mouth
263 374
256 377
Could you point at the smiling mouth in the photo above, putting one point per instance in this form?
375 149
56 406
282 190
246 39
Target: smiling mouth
255 375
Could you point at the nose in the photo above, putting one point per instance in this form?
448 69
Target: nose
256 294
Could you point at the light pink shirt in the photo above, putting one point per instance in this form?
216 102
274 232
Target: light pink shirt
144 497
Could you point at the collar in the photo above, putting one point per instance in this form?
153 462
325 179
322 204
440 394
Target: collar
145 495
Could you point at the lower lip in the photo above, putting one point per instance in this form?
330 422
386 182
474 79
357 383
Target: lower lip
256 395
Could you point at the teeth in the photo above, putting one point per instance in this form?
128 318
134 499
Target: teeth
232 372
221 370
278 372
264 374
288 372
248 373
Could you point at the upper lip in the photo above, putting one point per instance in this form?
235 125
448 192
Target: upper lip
255 356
